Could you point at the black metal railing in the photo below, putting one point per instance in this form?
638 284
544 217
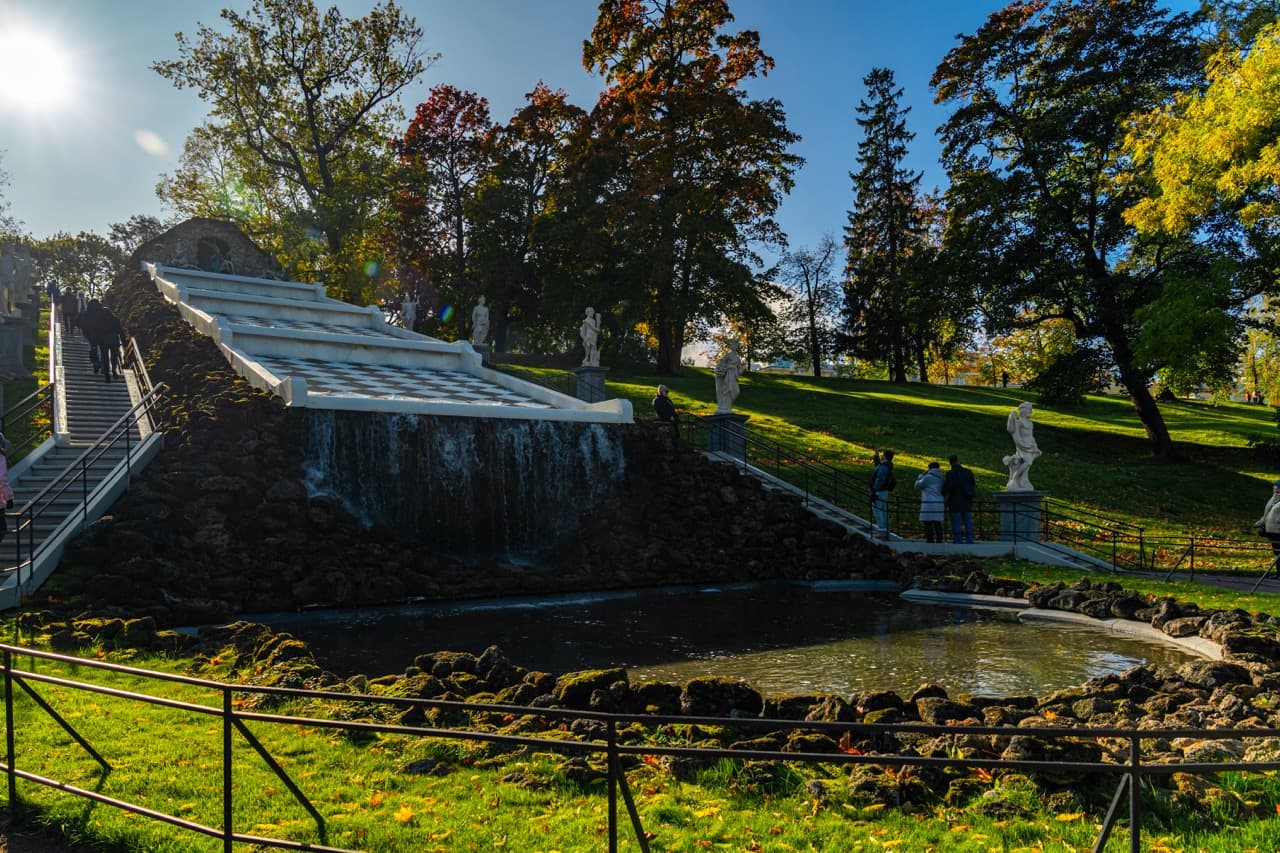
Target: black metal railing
28 422
1120 545
72 488
561 382
646 736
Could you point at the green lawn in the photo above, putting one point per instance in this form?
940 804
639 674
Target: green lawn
1096 457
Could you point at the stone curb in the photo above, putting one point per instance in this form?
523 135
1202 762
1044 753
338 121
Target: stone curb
1194 645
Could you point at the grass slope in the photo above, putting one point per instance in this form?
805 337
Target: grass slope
1096 457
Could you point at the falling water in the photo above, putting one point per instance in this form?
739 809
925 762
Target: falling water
471 487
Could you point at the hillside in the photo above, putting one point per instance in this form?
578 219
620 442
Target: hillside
1095 457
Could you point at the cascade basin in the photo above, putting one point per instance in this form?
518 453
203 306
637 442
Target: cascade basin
780 639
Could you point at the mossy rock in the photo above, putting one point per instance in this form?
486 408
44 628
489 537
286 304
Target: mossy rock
574 689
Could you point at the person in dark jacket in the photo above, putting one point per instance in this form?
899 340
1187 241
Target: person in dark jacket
663 407
959 489
110 339
882 483
69 302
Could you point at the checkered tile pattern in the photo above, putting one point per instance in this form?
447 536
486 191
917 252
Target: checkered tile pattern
306 326
382 382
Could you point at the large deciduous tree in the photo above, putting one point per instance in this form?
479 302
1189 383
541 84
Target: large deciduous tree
695 168
86 261
1216 150
809 274
305 102
1040 183
523 254
443 154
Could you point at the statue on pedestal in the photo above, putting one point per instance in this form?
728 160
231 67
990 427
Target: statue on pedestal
409 312
589 331
727 371
1025 449
479 322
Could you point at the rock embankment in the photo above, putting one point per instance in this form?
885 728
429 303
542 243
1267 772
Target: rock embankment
221 525
1240 692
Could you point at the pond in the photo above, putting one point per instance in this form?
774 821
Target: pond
781 639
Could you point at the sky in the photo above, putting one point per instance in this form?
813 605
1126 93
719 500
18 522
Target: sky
87 129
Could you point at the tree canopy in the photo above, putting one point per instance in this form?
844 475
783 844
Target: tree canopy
1040 184
689 169
304 103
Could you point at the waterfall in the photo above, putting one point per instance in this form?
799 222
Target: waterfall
469 487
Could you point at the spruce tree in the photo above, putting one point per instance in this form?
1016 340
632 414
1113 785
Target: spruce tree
885 230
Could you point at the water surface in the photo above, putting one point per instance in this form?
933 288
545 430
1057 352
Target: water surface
781 639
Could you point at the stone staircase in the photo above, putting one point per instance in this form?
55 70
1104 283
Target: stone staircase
91 406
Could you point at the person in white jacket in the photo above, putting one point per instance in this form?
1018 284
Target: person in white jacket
1269 524
932 504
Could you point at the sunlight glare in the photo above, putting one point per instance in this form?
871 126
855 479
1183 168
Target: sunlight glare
35 71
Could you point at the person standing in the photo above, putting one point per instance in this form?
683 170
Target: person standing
882 483
959 489
929 485
6 490
110 340
69 302
663 407
1269 524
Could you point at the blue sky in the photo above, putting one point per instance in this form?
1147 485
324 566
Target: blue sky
81 164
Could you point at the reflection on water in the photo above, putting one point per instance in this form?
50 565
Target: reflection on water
781 639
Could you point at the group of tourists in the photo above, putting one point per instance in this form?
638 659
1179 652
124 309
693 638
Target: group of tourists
100 327
941 495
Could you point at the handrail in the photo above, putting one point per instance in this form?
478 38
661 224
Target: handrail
641 729
133 360
43 398
77 473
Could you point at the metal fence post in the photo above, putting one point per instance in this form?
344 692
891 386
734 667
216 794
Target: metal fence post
612 740
9 746
227 820
1135 796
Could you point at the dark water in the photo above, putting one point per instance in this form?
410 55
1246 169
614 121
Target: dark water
781 639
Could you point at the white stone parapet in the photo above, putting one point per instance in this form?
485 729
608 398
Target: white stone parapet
292 340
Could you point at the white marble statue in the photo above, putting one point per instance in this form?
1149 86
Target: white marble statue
479 322
8 276
1025 449
409 312
727 371
589 331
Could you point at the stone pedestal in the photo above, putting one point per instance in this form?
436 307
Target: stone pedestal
726 433
591 384
485 350
30 312
1021 516
13 336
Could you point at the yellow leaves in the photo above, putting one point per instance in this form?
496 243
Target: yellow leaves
378 798
710 811
1070 817
1162 846
404 814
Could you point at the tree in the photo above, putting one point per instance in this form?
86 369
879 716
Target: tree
442 157
1215 150
884 230
1039 183
686 171
523 256
136 230
304 103
8 225
815 299
87 262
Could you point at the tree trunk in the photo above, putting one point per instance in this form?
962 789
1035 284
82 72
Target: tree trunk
921 362
1135 382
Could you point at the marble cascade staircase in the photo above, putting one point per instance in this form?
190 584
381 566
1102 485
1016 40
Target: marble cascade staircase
89 406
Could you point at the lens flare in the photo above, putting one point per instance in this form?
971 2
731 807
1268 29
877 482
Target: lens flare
152 143
446 313
371 269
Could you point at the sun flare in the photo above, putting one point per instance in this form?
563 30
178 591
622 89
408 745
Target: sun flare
35 71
